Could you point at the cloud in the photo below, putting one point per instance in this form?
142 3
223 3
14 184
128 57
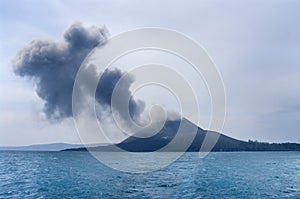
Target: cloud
53 67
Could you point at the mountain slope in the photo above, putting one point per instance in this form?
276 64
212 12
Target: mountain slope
168 132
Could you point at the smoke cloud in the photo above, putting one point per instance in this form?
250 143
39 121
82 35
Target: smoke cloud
53 67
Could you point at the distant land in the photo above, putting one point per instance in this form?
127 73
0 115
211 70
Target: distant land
41 147
162 138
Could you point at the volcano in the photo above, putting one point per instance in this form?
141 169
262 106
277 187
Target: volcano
169 131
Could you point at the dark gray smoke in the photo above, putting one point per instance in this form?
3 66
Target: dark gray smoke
105 89
53 67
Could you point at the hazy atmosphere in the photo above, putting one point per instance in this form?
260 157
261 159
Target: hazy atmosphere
254 44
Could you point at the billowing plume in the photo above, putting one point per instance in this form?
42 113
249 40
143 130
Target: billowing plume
53 67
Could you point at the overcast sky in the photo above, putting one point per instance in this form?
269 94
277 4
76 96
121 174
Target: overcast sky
255 45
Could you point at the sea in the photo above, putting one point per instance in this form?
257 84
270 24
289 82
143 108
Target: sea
75 174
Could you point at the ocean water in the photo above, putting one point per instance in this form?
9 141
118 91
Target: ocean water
219 175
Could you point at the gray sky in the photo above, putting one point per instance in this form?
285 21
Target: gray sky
255 45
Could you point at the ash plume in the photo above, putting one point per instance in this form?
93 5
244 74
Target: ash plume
53 67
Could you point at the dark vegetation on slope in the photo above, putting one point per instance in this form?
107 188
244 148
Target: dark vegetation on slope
167 133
